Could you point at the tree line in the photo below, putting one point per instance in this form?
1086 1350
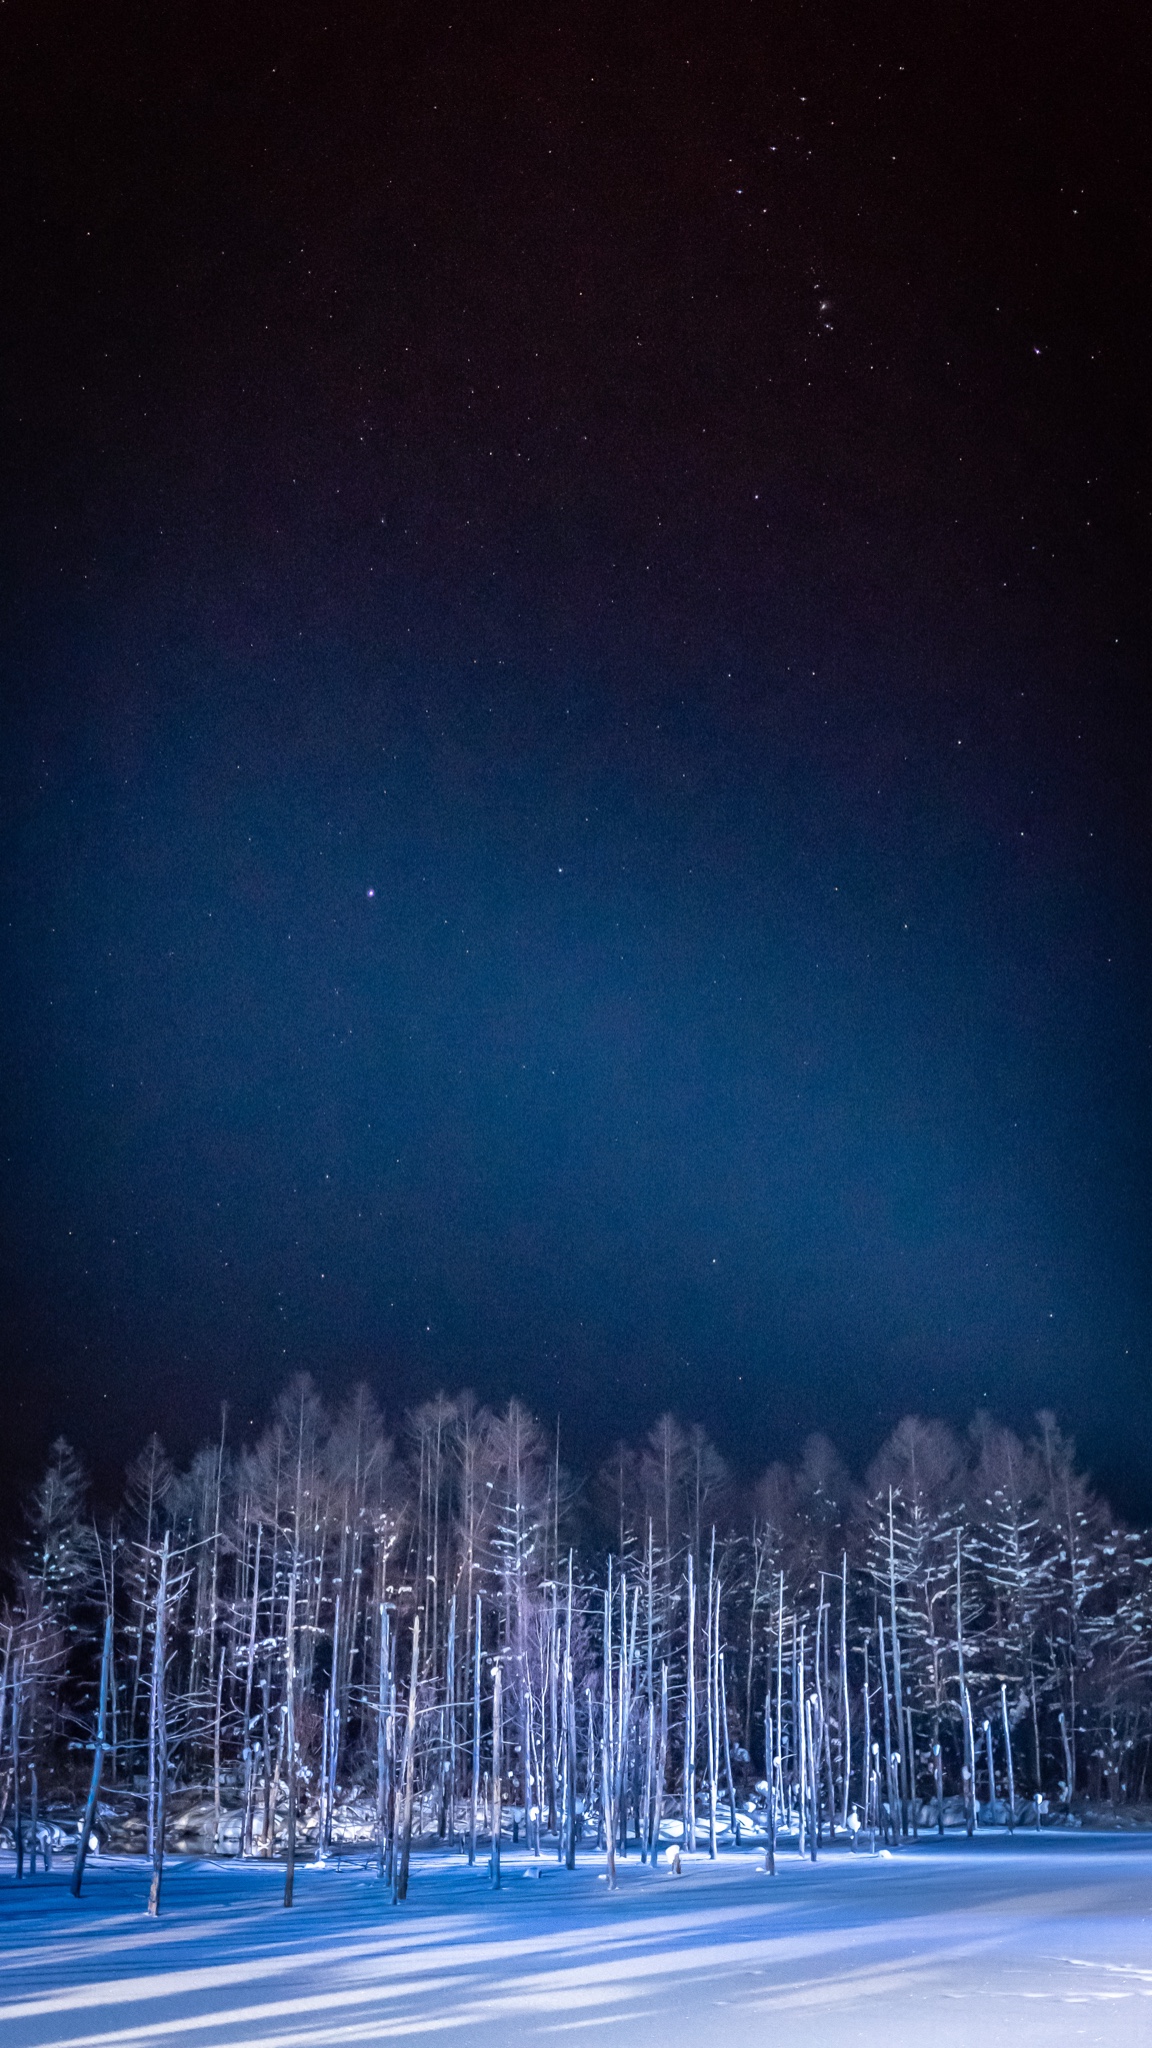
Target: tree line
338 1636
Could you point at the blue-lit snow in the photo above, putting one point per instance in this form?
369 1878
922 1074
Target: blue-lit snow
1043 1940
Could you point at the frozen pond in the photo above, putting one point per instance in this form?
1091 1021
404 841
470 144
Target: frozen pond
1034 1941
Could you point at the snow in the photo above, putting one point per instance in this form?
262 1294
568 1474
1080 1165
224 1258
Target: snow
1037 1940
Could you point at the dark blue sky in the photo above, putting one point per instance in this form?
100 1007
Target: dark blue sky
575 751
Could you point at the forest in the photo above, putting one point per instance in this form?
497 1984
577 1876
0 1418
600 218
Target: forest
336 1639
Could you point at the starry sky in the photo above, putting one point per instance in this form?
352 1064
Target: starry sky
575 751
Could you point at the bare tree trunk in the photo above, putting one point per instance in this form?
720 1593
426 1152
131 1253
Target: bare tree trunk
333 1760
290 1864
570 1742
139 1659
216 1737
991 1773
382 1785
661 1765
159 1758
288 1724
213 1616
1069 1763
1008 1757
866 1768
727 1745
450 1689
409 1768
1035 1737
590 1753
89 1819
689 1827
804 1818
910 1753
322 1801
649 1781
554 1667
814 1782
395 1765
13 1781
897 1688
845 1700
333 1765
938 1765
713 1619
758 1563
608 1744
475 1738
968 1771
8 1635
624 1713
497 1770
564 1787
779 1727
770 1776
268 1831
889 1767
249 1678
970 1749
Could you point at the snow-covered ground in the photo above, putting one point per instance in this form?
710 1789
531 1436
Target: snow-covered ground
1034 1941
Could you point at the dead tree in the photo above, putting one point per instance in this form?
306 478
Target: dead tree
158 1735
409 1776
88 1822
497 1770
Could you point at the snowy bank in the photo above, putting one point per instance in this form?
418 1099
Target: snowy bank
1034 1941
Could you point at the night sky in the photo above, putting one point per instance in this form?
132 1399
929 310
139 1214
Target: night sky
575 752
